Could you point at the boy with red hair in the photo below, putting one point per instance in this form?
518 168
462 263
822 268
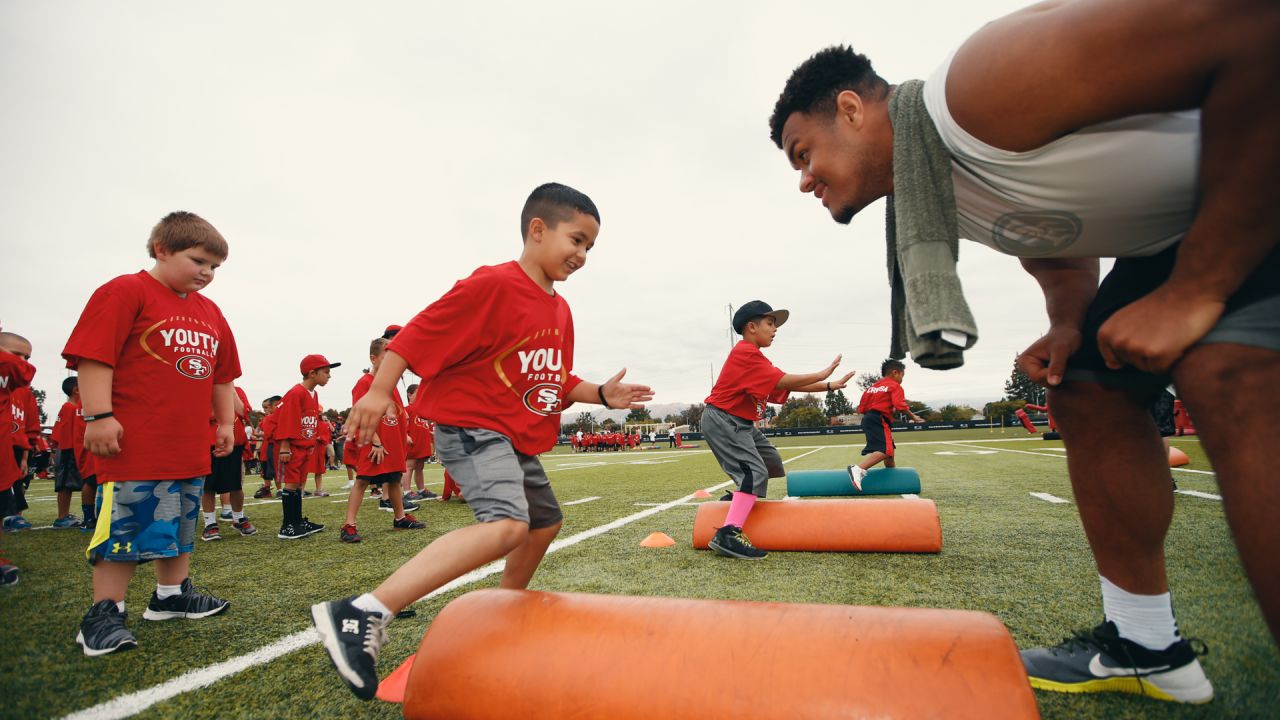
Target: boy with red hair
153 356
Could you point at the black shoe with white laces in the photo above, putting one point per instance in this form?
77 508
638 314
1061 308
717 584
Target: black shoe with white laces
290 531
310 528
103 631
1099 660
352 638
190 603
730 542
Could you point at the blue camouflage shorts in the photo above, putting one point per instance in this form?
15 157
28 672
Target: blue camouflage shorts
150 520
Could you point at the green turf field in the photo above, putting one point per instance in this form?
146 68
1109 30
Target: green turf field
1020 557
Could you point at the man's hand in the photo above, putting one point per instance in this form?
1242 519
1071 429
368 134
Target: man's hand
1153 333
102 437
225 442
826 372
1045 360
366 416
625 395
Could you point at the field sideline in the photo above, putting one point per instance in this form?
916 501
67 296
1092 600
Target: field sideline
1012 546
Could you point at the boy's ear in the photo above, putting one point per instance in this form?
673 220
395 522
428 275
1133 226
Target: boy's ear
536 227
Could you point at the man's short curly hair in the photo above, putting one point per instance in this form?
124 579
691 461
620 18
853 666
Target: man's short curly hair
813 87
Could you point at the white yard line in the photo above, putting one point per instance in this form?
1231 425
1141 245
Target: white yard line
583 500
1050 498
134 703
1197 493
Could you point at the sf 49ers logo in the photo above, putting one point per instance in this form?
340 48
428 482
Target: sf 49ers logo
194 367
543 399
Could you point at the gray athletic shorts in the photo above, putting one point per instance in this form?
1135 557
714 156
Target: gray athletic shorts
498 482
1251 317
742 450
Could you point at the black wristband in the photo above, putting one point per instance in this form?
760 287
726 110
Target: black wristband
600 392
99 416
828 387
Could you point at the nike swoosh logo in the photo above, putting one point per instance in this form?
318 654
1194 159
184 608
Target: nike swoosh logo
1099 670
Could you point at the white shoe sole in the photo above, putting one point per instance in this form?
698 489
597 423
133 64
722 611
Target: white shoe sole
126 645
158 615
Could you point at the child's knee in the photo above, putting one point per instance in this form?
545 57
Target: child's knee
509 533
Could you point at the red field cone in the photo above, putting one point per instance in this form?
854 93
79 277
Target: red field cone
1177 458
391 689
702 494
657 540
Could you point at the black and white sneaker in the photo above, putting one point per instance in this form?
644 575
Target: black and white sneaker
8 575
1099 660
190 603
290 531
388 507
730 542
310 528
103 631
352 638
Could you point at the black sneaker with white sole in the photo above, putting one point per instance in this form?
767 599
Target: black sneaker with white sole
1099 660
103 631
730 542
190 604
290 531
310 528
352 637
8 575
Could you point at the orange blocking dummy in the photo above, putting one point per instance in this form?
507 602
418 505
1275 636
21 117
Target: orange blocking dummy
513 653
897 525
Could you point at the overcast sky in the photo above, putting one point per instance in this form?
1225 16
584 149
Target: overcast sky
361 157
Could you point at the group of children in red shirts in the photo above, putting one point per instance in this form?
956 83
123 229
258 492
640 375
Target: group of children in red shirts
495 355
599 442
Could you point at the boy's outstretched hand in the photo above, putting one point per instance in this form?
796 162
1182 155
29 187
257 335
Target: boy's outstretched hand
843 382
832 367
366 416
625 395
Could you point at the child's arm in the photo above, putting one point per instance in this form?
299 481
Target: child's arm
799 382
101 437
366 415
826 386
224 402
616 394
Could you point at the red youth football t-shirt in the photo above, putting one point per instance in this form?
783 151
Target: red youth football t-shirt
297 418
392 432
747 383
167 351
25 418
883 397
64 427
496 352
15 373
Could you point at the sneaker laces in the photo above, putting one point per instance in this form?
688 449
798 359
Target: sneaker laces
742 538
375 634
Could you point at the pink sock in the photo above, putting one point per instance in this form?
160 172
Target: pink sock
740 508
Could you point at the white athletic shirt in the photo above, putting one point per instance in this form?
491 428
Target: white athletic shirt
1118 189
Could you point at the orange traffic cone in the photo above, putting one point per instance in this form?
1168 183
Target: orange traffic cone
657 540
391 689
1177 458
702 494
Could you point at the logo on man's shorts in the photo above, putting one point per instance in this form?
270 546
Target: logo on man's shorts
543 399
1036 234
194 367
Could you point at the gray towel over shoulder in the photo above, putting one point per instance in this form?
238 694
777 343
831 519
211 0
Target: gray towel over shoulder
923 240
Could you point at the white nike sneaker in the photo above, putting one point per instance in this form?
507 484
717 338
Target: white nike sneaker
856 474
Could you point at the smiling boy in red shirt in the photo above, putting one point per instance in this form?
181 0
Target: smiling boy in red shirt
495 355
153 356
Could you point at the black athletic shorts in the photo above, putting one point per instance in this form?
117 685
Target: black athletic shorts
226 474
1162 413
67 475
268 463
1252 315
879 433
391 477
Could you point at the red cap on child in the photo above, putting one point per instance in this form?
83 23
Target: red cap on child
315 362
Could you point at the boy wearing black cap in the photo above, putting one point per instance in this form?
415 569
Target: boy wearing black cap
297 421
747 382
